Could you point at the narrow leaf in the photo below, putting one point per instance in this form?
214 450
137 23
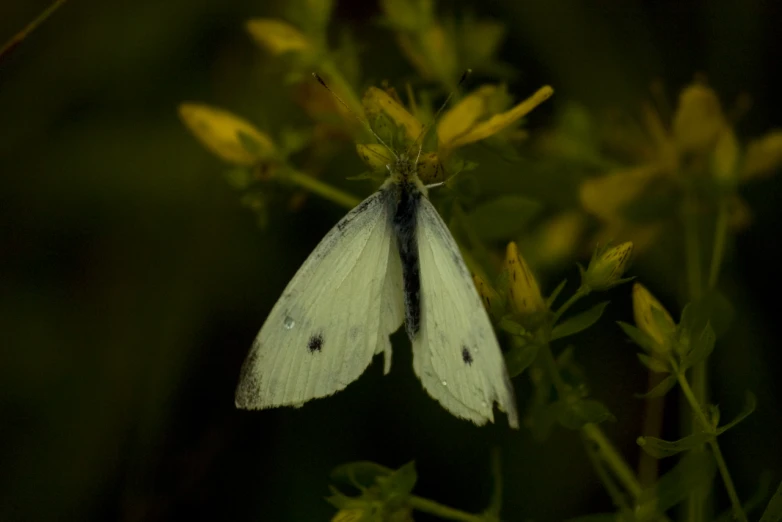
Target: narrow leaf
396 487
773 512
518 358
553 297
694 471
360 474
661 389
655 364
574 415
578 322
700 347
659 448
750 403
639 337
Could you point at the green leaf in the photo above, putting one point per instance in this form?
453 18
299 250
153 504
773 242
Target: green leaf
398 486
654 363
700 347
712 307
509 325
573 415
360 474
578 322
694 471
640 337
773 512
753 503
661 389
520 356
503 217
555 293
659 448
750 403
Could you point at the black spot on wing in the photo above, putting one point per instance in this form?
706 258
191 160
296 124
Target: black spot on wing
316 343
466 356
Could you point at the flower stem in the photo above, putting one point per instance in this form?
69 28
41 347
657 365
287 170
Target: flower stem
607 452
581 292
323 190
738 511
624 473
433 508
720 236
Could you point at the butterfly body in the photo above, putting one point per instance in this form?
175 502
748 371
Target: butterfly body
391 260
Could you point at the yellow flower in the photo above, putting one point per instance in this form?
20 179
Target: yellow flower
652 319
556 240
381 109
228 136
276 36
523 291
472 120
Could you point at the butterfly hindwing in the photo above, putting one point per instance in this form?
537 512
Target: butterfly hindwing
455 353
334 315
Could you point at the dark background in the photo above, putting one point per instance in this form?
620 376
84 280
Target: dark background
132 282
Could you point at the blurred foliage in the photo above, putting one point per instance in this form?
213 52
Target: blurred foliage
133 283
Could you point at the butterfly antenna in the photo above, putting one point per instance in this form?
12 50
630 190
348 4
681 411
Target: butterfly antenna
420 139
361 120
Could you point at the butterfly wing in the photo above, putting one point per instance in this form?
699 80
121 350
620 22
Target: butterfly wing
334 315
455 353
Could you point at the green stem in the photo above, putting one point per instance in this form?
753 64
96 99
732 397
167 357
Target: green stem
624 473
697 500
433 508
592 432
553 370
738 510
323 190
581 292
720 236
692 249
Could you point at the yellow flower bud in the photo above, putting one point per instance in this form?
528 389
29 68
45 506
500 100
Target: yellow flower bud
698 120
607 267
523 292
276 36
491 299
763 155
430 170
228 136
658 326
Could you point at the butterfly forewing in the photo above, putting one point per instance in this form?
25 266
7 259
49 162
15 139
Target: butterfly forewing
337 311
455 353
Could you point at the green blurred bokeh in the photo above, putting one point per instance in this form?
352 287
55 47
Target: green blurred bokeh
132 282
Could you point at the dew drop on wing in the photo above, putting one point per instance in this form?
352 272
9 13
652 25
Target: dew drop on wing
288 323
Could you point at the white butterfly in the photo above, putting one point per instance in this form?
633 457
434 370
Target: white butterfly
390 260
